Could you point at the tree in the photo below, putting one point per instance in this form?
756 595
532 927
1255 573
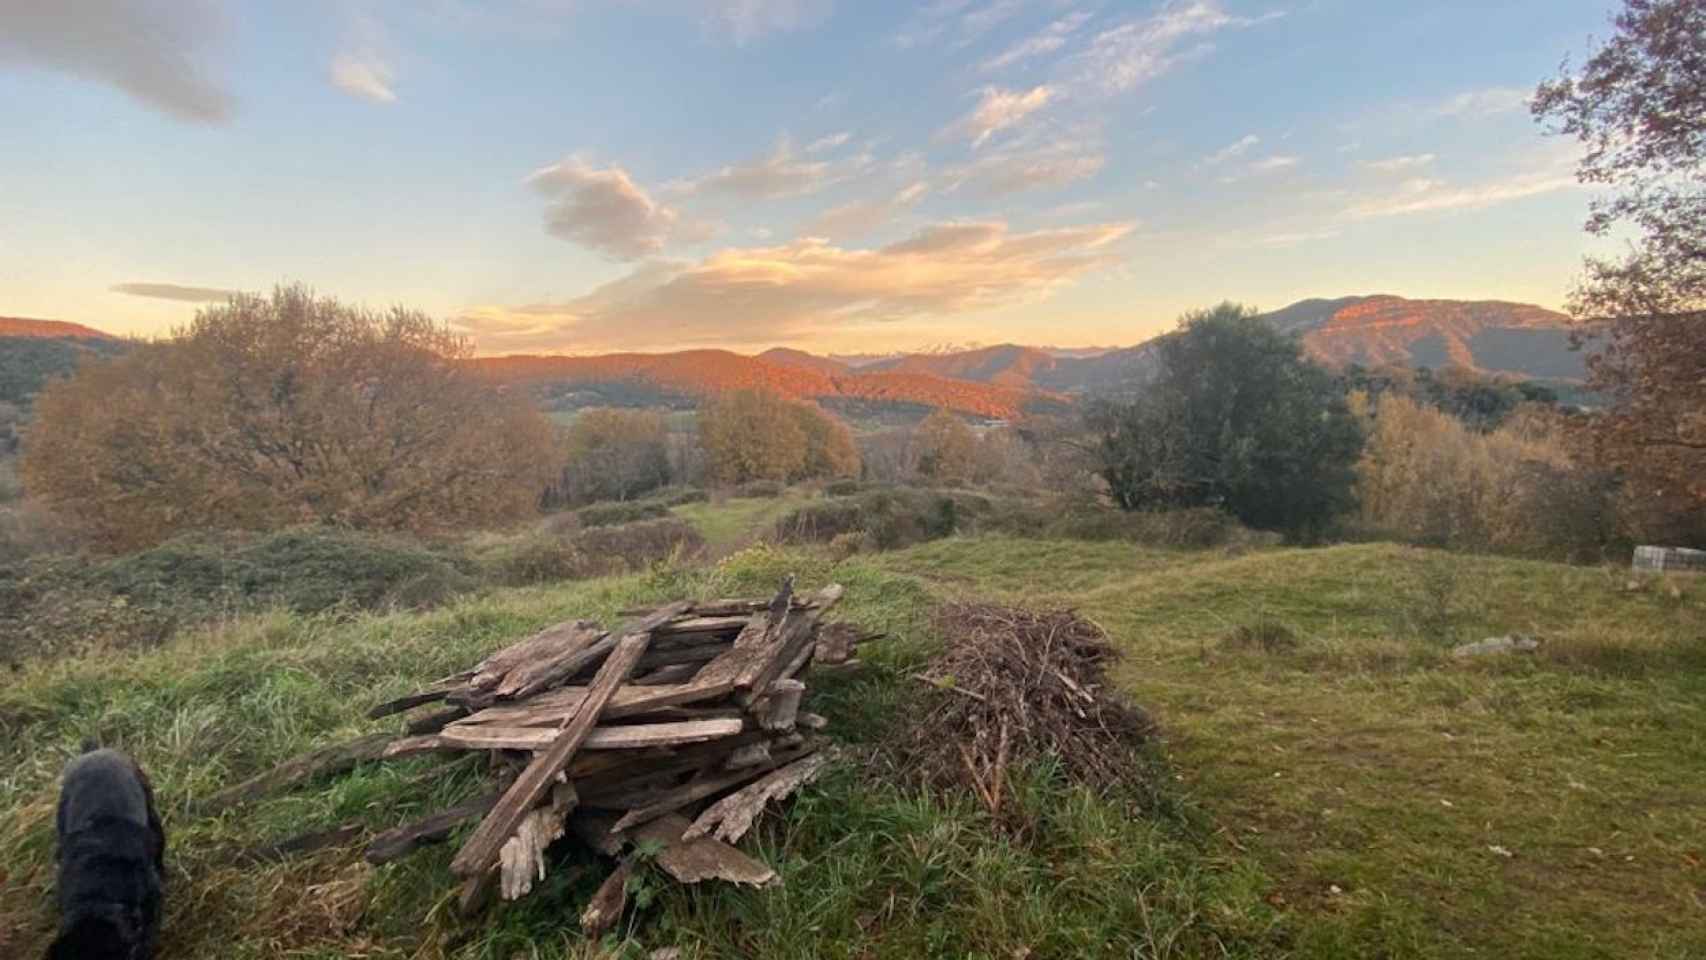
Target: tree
751 435
830 450
947 448
1234 417
268 412
1638 106
613 454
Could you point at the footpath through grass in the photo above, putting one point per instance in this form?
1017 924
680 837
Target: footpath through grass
1403 803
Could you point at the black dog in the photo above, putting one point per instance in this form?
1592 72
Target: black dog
111 861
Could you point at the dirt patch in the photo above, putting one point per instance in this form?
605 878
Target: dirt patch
1018 687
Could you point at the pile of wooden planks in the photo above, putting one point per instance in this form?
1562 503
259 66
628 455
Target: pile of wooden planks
672 730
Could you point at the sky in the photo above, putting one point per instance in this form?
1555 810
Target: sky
581 176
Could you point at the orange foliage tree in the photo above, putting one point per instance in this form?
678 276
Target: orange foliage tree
269 412
762 435
830 450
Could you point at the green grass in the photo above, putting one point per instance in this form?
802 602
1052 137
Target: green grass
1365 758
1335 797
736 522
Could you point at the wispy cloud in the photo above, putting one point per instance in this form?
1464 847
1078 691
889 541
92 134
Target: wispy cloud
158 53
363 74
1401 163
1256 168
829 142
855 219
1137 51
997 110
1050 39
174 291
1033 164
1280 241
779 173
1422 195
1233 150
744 21
604 209
762 295
1481 103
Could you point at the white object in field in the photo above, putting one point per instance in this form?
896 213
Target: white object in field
1669 559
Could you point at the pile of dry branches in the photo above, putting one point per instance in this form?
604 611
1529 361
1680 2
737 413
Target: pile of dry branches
1017 687
673 730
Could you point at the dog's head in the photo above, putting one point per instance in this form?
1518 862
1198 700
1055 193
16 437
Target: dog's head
103 936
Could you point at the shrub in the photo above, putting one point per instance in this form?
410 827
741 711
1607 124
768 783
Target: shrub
841 488
268 413
756 489
882 519
610 514
544 558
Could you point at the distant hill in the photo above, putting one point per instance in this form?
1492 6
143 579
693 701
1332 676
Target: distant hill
799 359
691 374
32 352
1488 336
49 329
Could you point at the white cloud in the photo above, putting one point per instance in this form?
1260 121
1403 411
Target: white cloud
156 51
776 174
1401 163
1050 39
1481 103
363 74
1273 163
1232 151
1137 51
997 110
744 21
1280 241
1423 195
762 295
829 142
607 211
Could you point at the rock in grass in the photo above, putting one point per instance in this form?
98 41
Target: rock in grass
1515 643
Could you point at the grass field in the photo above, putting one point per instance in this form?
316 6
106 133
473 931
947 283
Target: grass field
1330 783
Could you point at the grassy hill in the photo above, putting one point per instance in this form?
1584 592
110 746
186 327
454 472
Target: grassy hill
1331 782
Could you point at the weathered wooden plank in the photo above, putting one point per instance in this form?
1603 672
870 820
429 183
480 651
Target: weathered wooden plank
325 761
723 623
546 644
796 631
706 784
311 842
628 737
672 674
406 839
409 746
521 862
703 858
606 906
409 702
582 649
556 706
731 817
782 705
434 721
477 855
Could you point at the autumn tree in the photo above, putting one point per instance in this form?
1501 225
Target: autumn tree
1235 417
268 412
947 448
830 450
612 454
1638 107
751 435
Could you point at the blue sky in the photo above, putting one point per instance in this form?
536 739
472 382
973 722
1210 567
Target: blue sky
586 175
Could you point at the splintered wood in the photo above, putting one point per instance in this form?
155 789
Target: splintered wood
673 730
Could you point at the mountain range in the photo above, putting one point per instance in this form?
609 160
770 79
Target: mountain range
1513 340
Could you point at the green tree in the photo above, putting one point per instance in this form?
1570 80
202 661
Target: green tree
1233 417
269 412
613 454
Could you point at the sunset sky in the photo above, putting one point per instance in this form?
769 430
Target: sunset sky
589 175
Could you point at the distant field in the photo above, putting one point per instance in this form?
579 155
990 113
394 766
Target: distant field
1331 783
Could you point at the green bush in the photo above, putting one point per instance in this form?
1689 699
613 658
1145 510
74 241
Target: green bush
886 518
598 551
759 488
844 487
611 514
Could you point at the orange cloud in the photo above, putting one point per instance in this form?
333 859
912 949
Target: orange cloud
765 295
